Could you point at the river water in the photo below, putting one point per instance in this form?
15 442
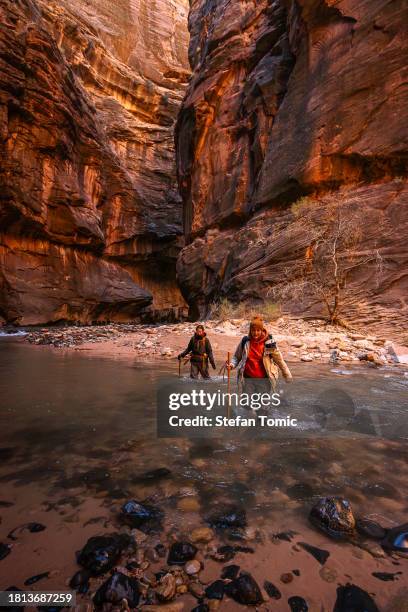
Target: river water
78 435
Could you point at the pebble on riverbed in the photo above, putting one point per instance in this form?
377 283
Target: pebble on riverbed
180 553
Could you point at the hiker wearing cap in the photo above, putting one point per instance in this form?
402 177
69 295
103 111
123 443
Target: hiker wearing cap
258 360
201 353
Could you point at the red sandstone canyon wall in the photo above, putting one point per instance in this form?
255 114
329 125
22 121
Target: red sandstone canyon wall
90 215
288 100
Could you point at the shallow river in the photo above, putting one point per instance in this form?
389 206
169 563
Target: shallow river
78 434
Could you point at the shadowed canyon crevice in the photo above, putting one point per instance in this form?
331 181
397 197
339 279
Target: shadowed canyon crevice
289 100
90 214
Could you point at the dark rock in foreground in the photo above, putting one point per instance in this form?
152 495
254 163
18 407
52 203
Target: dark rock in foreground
298 604
100 553
180 553
116 588
244 590
351 598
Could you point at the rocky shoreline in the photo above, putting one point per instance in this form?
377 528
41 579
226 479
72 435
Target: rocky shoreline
299 340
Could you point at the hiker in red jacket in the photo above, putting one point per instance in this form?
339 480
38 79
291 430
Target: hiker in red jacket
201 353
258 360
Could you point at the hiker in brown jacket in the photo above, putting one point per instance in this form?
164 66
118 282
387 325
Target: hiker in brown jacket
201 353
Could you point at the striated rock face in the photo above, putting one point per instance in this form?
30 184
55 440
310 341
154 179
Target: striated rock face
90 215
292 99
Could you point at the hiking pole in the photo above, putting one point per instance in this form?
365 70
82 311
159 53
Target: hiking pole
228 383
179 367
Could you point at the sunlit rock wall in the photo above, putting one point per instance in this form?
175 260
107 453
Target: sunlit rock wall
90 216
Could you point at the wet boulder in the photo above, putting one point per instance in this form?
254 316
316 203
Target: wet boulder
117 588
333 516
396 540
180 553
231 517
244 590
351 598
100 553
141 516
370 529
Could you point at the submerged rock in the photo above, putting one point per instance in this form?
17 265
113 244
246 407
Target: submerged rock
36 578
202 534
181 552
229 572
298 604
224 553
215 590
319 554
152 475
351 598
80 581
100 553
370 529
31 527
141 516
272 590
230 517
333 516
386 576
396 539
5 550
117 588
244 590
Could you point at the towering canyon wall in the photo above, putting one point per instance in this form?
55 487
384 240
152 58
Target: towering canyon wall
292 99
90 215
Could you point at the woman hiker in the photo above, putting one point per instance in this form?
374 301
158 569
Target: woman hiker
258 360
201 353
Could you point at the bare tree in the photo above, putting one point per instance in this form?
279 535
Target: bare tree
332 237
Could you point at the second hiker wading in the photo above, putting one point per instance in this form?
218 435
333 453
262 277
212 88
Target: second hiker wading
200 351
